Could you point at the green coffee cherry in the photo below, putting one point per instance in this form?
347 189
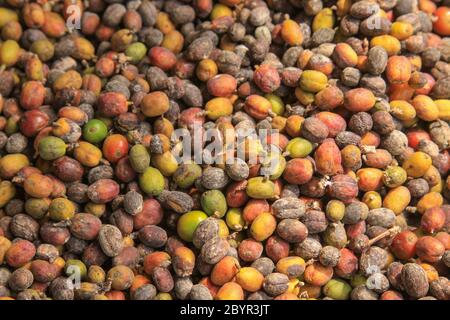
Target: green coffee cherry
61 209
75 267
358 280
95 131
151 181
337 289
394 176
139 158
188 222
136 51
186 175
9 52
335 210
44 48
36 208
51 148
234 219
166 163
12 126
214 203
276 102
299 148
260 188
273 166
